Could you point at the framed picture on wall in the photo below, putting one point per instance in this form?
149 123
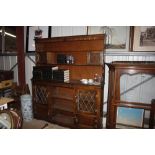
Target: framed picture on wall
117 37
57 31
34 32
129 117
144 38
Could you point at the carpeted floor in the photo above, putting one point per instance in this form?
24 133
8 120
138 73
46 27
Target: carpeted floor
40 124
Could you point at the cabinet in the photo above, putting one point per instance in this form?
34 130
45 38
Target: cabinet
116 70
71 103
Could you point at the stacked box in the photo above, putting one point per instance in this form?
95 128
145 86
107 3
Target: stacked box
61 59
61 75
43 72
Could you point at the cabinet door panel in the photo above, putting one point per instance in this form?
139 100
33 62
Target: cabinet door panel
88 107
86 101
40 101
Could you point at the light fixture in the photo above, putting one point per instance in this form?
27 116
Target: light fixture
9 34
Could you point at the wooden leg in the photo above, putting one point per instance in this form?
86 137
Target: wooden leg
152 114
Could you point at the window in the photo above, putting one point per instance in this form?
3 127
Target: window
8 39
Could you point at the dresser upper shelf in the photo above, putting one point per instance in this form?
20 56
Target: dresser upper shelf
71 43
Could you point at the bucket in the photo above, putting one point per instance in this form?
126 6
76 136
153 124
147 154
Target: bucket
26 107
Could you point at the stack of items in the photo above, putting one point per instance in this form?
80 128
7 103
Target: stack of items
6 78
50 73
43 72
65 59
61 59
61 75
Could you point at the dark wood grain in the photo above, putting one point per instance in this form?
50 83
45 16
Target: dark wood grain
63 99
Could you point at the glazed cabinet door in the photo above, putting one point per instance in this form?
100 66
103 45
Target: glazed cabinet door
41 95
88 107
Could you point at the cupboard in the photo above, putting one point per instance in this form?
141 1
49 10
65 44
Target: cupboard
72 103
115 102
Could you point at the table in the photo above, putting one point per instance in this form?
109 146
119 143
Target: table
4 102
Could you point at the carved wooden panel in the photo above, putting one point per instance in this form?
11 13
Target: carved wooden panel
86 101
40 94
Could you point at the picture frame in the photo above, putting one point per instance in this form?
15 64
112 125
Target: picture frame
117 37
144 38
35 32
130 117
57 31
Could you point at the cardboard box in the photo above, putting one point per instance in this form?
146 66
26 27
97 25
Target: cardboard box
6 75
